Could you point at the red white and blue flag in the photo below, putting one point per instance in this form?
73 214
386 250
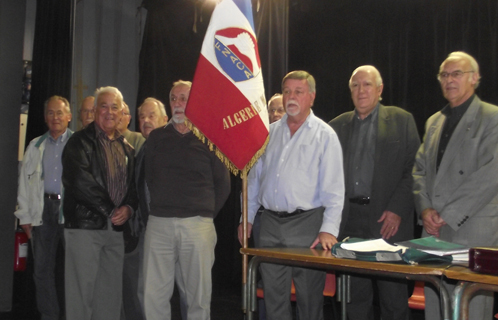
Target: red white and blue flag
227 101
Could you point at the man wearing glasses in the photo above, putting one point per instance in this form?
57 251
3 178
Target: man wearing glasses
456 172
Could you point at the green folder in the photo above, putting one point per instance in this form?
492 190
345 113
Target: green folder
408 255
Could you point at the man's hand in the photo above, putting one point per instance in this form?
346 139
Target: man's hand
121 215
27 229
325 239
390 224
432 221
240 232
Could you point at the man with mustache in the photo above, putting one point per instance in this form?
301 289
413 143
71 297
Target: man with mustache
100 196
151 115
188 185
300 183
39 202
379 145
456 172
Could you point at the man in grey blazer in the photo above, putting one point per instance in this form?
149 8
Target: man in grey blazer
456 172
379 144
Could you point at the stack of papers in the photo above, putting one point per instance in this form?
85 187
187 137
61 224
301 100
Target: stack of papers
411 251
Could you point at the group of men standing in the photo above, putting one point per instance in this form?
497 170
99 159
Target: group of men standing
363 174
85 190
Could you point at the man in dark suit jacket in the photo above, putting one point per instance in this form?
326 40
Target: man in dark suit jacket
379 145
456 172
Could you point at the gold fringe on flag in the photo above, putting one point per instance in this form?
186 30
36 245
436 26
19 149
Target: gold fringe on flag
224 159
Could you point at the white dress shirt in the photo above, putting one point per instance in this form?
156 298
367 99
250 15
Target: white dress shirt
300 172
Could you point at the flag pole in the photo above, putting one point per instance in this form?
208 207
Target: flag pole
245 287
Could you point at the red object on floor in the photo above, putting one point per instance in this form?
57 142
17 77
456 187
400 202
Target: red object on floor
417 300
21 251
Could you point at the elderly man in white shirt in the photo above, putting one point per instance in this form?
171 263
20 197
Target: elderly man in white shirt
300 183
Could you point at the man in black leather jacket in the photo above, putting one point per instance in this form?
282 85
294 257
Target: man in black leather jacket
99 197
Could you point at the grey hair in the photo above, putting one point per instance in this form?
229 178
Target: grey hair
301 75
102 90
458 56
160 105
67 107
275 96
366 68
180 83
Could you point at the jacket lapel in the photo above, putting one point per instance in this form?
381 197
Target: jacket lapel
457 137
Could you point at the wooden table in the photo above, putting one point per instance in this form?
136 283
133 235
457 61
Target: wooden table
470 283
321 259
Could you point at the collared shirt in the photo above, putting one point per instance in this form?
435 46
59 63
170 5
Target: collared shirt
362 154
304 171
116 161
52 164
453 117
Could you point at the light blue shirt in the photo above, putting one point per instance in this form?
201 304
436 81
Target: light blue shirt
52 164
304 171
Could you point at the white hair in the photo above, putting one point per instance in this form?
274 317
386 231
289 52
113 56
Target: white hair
459 56
160 105
102 90
366 68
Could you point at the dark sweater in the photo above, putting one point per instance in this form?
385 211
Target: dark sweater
185 179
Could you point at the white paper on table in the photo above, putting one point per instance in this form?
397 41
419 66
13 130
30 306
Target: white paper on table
372 245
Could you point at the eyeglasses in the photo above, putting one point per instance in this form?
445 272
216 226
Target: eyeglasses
455 74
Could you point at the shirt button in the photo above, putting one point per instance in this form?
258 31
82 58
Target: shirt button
356 183
275 190
278 175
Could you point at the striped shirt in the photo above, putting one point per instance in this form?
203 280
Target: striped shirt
115 164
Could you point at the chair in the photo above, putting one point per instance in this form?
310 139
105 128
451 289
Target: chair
417 299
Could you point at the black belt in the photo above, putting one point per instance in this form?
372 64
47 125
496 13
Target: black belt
53 196
284 214
360 200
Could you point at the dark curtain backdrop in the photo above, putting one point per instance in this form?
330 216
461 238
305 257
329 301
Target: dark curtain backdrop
52 55
171 45
270 22
405 40
12 16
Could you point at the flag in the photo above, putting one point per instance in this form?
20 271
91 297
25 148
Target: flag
227 102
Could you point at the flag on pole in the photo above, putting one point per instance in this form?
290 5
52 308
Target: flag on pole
227 102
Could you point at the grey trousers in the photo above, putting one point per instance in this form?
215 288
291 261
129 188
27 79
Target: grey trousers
94 274
178 250
133 283
297 231
46 238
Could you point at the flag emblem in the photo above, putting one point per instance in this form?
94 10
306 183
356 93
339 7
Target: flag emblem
236 53
227 102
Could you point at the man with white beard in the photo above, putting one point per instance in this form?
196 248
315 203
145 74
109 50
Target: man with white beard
188 185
